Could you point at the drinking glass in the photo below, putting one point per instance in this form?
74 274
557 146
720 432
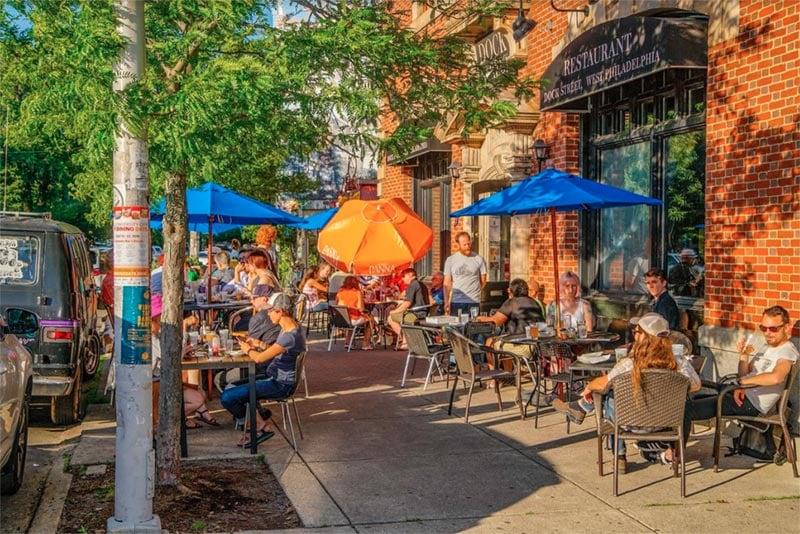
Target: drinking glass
473 312
228 346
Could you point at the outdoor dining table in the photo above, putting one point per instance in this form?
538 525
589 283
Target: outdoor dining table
564 377
238 360
383 307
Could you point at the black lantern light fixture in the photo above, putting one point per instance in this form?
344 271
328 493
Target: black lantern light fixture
522 26
540 150
455 170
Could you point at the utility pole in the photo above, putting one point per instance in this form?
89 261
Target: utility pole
134 483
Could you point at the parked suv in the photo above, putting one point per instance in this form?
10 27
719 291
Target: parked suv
49 300
16 384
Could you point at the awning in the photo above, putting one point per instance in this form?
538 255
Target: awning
431 145
617 52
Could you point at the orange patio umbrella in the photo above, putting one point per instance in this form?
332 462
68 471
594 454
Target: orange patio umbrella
374 237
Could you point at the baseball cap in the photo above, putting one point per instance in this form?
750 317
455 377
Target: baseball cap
263 290
156 304
652 323
281 301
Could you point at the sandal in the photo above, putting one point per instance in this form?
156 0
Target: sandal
262 436
207 418
191 424
367 347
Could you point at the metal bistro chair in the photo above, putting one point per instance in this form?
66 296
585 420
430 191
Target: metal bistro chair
659 405
552 367
340 320
415 315
422 345
466 373
299 369
315 320
779 415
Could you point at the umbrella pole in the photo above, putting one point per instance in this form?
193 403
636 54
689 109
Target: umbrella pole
210 259
555 269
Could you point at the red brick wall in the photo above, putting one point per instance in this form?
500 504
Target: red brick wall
753 167
560 132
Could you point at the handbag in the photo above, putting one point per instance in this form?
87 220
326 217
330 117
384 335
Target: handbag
757 443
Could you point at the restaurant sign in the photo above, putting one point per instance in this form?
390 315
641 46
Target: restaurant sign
619 51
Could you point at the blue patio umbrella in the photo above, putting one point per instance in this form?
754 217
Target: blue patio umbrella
552 191
316 221
212 204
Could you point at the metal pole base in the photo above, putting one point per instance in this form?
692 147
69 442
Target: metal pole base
154 525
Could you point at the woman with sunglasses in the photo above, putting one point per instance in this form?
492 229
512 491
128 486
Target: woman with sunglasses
767 370
651 349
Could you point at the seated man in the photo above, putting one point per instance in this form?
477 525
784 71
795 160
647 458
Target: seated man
261 333
663 303
437 288
281 357
652 349
768 370
416 295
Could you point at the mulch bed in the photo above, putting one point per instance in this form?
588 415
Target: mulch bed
223 496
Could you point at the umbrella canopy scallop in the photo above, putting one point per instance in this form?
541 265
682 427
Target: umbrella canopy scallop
374 237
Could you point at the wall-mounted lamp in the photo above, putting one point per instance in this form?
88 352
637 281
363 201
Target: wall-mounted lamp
455 170
584 9
522 26
540 150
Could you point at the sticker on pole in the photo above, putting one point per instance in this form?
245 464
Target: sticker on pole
131 246
135 332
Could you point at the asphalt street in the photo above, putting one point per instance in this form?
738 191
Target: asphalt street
47 445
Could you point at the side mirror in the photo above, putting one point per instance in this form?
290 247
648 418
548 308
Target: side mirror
22 323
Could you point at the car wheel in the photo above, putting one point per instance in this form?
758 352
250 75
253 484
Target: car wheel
91 356
67 410
12 472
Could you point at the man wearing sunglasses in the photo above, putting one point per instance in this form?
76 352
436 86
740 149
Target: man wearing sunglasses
767 370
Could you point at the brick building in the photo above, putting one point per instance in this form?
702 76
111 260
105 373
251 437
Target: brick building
692 102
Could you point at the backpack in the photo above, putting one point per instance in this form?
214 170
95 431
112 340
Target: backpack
758 443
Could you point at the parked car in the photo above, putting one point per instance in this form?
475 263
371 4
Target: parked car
157 251
49 300
16 385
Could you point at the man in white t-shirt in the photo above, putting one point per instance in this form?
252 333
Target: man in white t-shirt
767 370
464 277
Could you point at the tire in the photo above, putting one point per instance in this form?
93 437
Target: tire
68 409
91 357
13 471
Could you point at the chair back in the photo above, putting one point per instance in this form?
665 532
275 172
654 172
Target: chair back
461 351
418 339
300 307
660 403
237 316
299 366
780 406
340 318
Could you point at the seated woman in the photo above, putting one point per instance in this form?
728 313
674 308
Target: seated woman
194 398
573 307
311 287
350 295
282 356
651 349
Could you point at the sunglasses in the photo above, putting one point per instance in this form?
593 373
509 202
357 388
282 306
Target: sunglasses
772 329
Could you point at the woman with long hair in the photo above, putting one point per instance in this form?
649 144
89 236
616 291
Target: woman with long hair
651 349
311 287
261 274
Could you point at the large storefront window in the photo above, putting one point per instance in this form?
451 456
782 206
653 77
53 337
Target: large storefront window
685 212
660 153
625 248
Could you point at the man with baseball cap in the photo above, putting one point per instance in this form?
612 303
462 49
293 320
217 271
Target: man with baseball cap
281 356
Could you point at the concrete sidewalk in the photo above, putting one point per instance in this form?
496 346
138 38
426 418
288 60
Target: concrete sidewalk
380 458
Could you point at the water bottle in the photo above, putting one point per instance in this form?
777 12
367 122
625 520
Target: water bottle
215 344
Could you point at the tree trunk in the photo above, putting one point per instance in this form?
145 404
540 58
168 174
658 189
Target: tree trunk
170 395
